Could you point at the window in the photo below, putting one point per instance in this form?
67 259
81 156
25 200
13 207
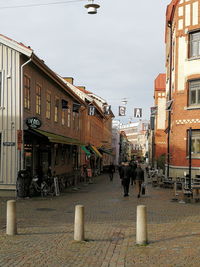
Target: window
69 117
48 105
63 114
194 44
74 120
195 144
56 109
38 99
27 92
194 93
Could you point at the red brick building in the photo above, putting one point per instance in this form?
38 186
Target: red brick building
183 85
160 116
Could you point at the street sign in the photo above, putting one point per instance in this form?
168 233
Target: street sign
122 111
137 112
9 143
91 110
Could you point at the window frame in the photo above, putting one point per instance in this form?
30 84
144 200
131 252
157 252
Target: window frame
191 45
38 95
194 154
69 116
27 92
48 105
56 109
197 93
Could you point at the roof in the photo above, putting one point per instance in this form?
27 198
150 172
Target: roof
83 90
170 10
160 82
170 14
26 50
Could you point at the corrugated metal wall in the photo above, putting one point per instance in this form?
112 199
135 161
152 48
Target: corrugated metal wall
9 113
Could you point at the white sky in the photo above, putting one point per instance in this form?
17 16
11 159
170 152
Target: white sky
116 54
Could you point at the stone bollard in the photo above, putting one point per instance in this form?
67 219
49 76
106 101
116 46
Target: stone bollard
79 223
141 225
11 228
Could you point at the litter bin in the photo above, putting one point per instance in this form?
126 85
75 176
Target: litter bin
23 183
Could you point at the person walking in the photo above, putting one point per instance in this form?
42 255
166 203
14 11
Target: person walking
111 171
133 166
125 175
139 178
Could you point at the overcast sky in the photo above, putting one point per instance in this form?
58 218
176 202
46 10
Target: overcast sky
116 53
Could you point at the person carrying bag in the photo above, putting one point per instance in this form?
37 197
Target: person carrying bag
139 179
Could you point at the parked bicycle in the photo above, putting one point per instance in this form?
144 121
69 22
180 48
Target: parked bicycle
46 188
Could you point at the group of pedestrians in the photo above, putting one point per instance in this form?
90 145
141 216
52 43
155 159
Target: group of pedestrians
131 173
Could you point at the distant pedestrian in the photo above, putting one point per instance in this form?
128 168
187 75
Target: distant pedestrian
111 171
139 178
133 166
125 175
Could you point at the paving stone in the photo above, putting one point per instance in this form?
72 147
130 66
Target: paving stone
45 227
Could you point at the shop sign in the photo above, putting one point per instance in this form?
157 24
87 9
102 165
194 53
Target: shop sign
33 123
9 143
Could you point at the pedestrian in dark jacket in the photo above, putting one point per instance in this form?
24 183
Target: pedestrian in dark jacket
125 175
133 166
139 178
111 171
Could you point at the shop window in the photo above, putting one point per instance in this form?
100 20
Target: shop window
38 99
56 147
194 93
27 92
195 144
194 51
63 154
48 105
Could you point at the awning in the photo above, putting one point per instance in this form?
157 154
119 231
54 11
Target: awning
95 150
106 150
87 152
55 138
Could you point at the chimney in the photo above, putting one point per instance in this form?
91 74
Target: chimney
69 79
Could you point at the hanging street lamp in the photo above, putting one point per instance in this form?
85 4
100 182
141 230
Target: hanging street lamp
91 7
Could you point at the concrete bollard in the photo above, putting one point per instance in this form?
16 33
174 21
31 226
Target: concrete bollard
11 228
79 223
141 225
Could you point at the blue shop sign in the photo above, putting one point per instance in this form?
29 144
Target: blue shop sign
33 122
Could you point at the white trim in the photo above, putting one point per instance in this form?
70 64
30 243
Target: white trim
14 45
182 167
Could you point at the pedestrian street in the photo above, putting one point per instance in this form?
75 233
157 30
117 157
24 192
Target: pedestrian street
45 229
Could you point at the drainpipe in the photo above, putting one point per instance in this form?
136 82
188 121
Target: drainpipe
21 154
170 97
190 159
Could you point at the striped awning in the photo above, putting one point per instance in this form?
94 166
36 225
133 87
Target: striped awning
55 138
96 151
87 152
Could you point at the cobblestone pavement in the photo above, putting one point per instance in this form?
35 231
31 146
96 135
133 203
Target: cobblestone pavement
45 229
